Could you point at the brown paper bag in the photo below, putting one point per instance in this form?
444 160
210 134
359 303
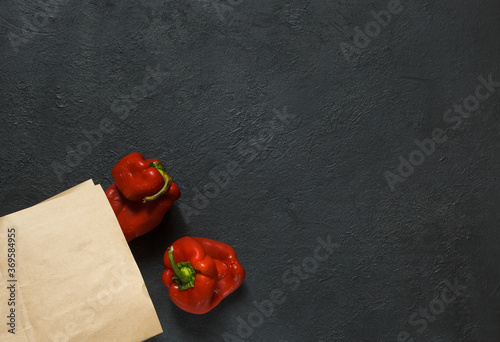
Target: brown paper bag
67 274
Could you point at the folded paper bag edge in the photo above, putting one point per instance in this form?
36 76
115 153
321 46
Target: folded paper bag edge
87 184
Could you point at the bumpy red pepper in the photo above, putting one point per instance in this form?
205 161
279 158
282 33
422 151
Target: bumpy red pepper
139 179
139 200
200 273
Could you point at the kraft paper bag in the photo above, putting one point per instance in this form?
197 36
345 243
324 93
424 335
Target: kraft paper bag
67 274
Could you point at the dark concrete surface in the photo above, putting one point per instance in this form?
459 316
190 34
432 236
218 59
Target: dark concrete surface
369 124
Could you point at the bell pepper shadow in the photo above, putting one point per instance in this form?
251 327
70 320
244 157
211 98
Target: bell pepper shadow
153 244
196 325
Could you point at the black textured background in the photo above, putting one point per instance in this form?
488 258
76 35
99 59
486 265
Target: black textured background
264 89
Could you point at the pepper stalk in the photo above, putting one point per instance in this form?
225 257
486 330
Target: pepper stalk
184 271
168 180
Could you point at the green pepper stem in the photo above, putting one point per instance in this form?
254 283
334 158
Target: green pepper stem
166 186
184 271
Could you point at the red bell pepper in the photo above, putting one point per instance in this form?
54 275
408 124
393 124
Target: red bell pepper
138 178
200 273
147 203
